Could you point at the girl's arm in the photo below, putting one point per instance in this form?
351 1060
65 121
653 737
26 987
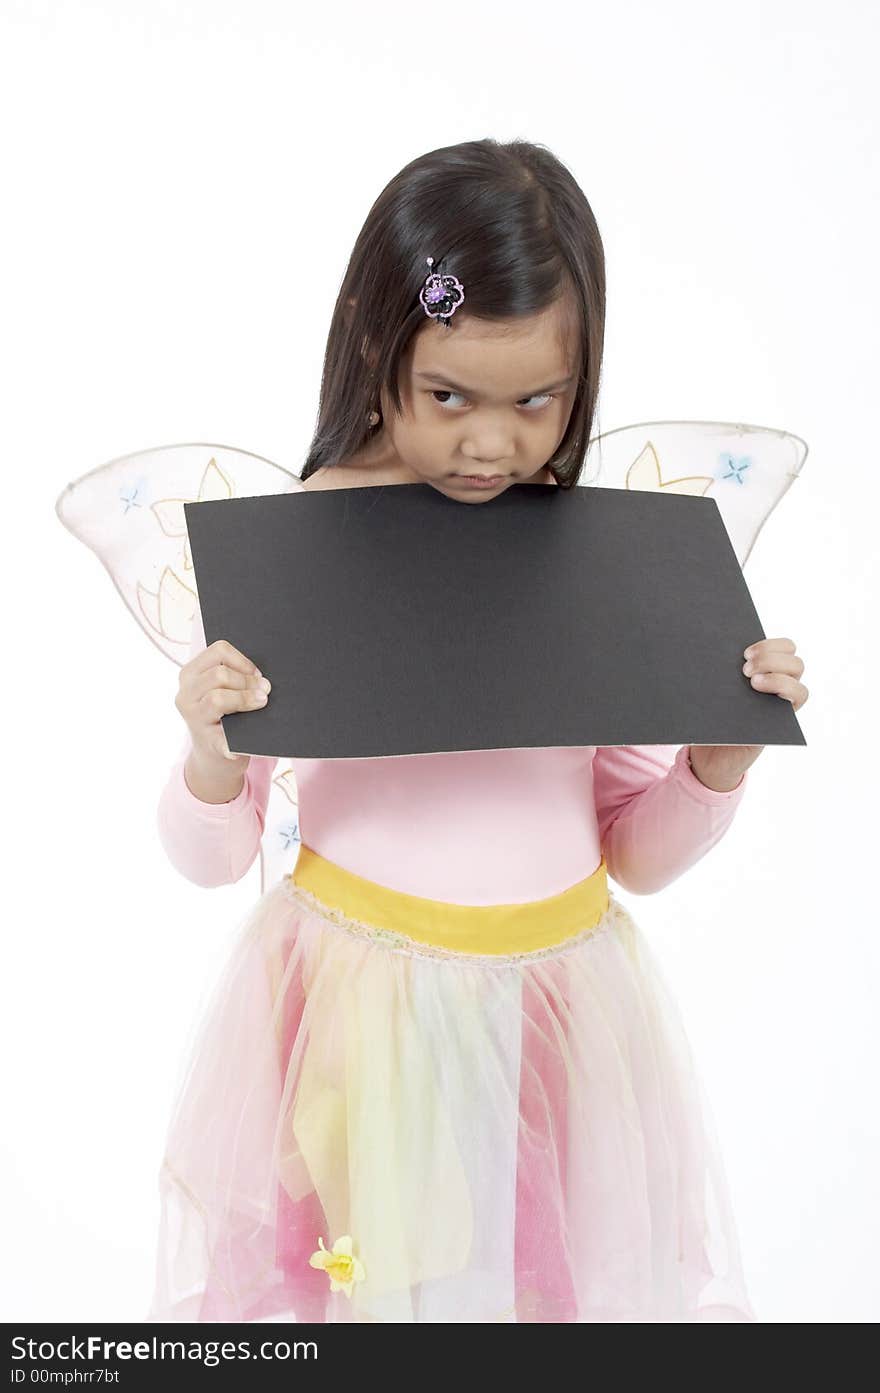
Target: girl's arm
656 819
213 843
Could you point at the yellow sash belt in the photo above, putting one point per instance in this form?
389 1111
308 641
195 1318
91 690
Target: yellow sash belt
482 929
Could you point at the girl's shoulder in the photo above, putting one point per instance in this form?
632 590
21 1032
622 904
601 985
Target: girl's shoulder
353 474
329 477
365 468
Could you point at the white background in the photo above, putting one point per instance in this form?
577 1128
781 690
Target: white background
183 185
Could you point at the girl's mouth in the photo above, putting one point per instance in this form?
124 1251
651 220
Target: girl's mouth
481 481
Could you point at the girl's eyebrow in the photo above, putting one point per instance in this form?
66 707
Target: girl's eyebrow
466 392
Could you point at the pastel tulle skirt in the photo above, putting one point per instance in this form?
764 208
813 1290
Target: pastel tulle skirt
403 1110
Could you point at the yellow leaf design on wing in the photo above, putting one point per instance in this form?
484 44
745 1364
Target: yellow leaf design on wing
287 784
215 484
169 610
644 474
171 516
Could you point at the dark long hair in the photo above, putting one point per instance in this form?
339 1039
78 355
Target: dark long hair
514 225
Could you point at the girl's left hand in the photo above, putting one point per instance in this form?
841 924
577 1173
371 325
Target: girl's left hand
772 665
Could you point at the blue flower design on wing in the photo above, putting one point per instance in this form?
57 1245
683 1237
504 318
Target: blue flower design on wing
289 833
134 495
736 467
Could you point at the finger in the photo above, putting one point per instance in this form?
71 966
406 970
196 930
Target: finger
221 651
782 685
792 664
220 701
222 675
770 645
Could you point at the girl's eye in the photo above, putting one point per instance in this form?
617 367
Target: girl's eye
441 393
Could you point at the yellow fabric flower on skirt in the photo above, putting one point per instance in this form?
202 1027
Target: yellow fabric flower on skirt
341 1266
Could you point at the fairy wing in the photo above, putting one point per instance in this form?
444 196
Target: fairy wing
129 512
746 469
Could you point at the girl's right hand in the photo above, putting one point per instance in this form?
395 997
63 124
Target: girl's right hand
213 683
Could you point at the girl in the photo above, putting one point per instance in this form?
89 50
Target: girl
440 1078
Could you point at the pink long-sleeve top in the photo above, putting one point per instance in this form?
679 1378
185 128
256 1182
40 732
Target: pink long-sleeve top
469 827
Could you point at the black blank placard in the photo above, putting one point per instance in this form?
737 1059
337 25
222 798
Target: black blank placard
395 620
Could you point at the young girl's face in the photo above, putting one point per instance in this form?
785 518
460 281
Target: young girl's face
483 399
